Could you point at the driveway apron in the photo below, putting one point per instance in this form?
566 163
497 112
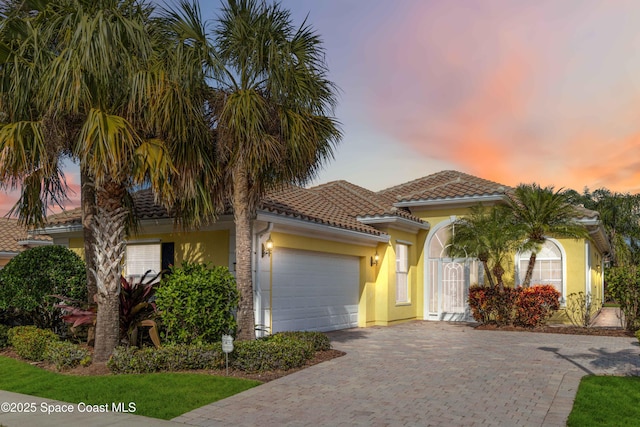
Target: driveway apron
431 373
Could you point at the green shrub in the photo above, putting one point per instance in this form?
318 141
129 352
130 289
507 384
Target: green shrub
195 304
66 355
318 340
4 337
270 354
30 342
131 360
28 281
623 284
638 335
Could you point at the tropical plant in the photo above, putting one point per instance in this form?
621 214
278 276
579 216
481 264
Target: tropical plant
136 309
29 279
543 212
489 234
270 107
196 303
116 88
579 308
624 286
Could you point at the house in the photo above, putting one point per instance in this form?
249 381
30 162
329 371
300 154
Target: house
15 238
344 256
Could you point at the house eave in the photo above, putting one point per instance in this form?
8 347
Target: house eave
458 201
8 254
322 231
30 243
396 222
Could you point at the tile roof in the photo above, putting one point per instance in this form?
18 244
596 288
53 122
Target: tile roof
11 233
311 205
291 201
144 203
340 203
442 186
360 202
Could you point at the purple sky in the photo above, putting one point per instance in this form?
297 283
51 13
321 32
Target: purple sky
513 91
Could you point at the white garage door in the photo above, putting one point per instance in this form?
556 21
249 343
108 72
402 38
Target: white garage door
314 291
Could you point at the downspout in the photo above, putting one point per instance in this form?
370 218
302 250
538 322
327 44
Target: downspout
256 270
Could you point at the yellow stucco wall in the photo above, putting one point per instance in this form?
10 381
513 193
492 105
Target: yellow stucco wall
195 246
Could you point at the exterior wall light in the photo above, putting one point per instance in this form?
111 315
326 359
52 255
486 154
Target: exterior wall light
375 259
267 247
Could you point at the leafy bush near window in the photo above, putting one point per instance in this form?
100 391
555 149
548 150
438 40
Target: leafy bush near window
490 305
196 303
132 360
28 281
528 307
535 305
30 342
66 355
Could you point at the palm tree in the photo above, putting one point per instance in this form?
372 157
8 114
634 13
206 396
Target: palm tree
490 235
271 108
104 83
544 212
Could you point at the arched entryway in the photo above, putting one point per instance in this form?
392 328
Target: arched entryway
447 279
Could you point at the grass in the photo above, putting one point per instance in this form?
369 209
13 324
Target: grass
611 304
606 401
162 395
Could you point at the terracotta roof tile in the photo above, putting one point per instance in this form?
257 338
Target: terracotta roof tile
310 205
291 201
444 185
11 233
360 202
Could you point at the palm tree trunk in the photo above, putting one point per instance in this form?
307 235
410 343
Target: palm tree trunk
527 278
487 273
498 271
88 202
242 216
109 231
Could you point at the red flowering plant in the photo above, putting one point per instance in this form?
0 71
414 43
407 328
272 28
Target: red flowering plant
535 305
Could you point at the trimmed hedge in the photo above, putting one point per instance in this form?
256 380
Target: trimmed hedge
268 355
180 357
66 355
318 340
30 342
285 350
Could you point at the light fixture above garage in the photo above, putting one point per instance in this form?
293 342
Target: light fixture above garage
375 259
267 247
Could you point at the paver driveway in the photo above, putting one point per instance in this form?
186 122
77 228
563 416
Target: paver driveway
429 373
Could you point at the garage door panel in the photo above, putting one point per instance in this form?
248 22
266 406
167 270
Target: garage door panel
314 291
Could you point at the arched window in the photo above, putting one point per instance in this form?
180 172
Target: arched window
548 269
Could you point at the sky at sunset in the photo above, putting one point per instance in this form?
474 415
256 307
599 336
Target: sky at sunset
512 91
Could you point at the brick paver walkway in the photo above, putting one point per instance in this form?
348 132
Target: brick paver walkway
429 373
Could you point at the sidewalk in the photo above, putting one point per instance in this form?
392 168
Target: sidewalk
40 417
609 317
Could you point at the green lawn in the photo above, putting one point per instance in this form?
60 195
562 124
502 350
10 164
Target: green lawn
162 395
606 401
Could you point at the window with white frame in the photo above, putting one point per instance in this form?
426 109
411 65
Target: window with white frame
547 269
141 258
402 273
